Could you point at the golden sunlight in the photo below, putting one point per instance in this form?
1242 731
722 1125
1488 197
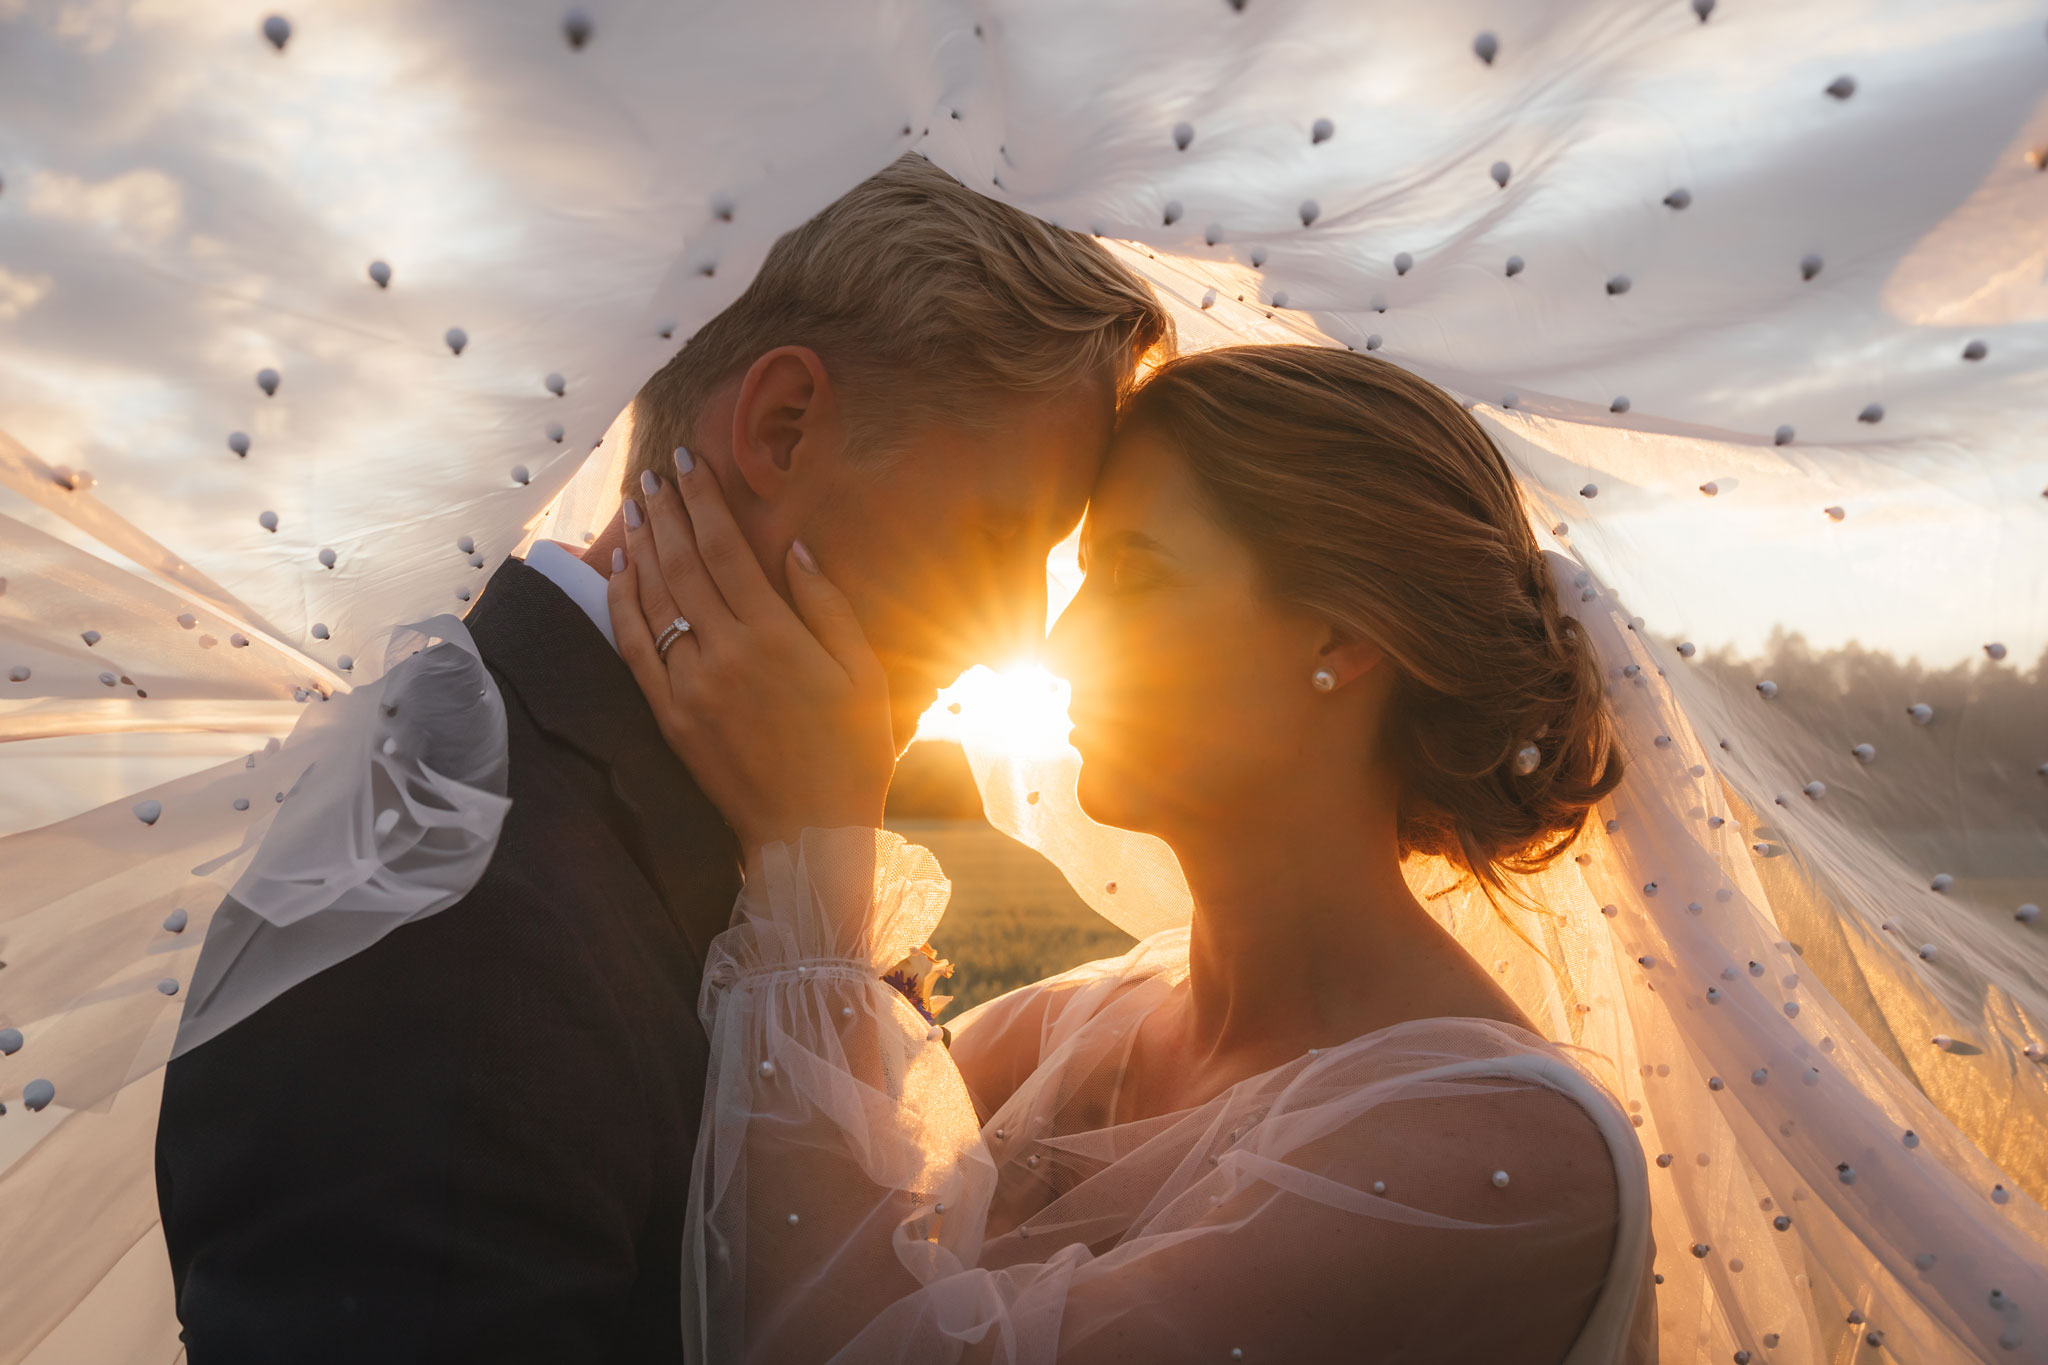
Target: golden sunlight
1020 708
1017 710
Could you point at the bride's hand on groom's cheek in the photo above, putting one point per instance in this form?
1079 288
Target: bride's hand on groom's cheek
783 720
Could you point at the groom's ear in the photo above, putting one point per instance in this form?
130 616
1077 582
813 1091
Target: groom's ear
787 430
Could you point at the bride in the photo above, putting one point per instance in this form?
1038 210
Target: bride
1316 637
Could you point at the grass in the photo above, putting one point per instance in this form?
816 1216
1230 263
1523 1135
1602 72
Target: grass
1013 919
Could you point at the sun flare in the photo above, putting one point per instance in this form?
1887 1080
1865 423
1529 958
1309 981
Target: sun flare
1018 710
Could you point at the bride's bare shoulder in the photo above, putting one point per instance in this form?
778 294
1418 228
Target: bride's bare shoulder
1500 1146
1506 1154
1476 1121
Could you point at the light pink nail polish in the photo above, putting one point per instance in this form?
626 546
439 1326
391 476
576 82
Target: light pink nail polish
632 511
649 484
618 561
803 556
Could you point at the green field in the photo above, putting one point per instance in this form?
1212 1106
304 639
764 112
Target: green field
1013 918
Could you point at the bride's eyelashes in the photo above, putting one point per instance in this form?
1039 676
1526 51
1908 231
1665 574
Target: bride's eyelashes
1125 564
1130 571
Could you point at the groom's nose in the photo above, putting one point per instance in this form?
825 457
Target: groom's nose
1017 621
1009 621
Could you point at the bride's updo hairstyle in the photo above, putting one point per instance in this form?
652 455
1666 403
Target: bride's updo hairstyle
1370 498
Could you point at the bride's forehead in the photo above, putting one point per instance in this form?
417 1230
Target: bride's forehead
1147 496
1142 475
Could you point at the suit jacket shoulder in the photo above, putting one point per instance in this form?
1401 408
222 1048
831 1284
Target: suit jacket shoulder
475 1136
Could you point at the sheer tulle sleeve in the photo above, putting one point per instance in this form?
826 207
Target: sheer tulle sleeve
834 1118
1443 1190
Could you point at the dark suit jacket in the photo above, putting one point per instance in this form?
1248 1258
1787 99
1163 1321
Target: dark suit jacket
472 1141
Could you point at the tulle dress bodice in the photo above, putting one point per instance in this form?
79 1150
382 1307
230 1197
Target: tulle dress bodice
1385 1199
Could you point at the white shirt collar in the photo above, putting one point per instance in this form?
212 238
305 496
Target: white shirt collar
582 584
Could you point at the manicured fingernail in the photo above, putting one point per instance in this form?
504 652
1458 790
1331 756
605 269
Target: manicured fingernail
632 510
685 461
649 483
618 561
803 556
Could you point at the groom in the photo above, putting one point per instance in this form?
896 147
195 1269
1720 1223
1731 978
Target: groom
472 1141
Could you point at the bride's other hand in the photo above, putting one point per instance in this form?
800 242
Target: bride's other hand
782 719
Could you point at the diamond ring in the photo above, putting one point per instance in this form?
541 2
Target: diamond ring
677 629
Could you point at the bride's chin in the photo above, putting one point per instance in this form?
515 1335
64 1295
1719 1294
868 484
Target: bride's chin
1097 795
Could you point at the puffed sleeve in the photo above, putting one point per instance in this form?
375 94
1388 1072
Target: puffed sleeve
835 1121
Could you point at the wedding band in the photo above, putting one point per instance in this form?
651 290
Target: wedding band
677 629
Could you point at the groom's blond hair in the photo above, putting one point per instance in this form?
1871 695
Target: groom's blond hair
926 301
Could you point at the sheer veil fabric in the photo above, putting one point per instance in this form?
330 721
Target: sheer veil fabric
847 1202
307 319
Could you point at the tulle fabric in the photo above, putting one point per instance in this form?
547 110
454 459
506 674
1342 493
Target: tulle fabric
184 204
382 806
848 1204
394 815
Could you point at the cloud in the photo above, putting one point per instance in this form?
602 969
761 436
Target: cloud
19 293
138 209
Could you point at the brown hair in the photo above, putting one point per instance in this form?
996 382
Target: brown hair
920 296
1372 499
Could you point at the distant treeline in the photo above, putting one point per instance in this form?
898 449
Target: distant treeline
1966 784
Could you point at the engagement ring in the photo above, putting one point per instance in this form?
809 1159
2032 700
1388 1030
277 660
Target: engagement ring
677 629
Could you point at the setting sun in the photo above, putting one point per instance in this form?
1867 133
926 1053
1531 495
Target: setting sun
1021 709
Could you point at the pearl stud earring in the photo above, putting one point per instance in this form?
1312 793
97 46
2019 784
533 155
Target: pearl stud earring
1324 679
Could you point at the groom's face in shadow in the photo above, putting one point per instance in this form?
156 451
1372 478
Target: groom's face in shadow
943 550
941 542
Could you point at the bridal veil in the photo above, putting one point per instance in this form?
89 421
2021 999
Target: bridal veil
310 315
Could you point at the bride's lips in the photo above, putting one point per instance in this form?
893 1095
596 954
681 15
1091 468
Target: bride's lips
1082 722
